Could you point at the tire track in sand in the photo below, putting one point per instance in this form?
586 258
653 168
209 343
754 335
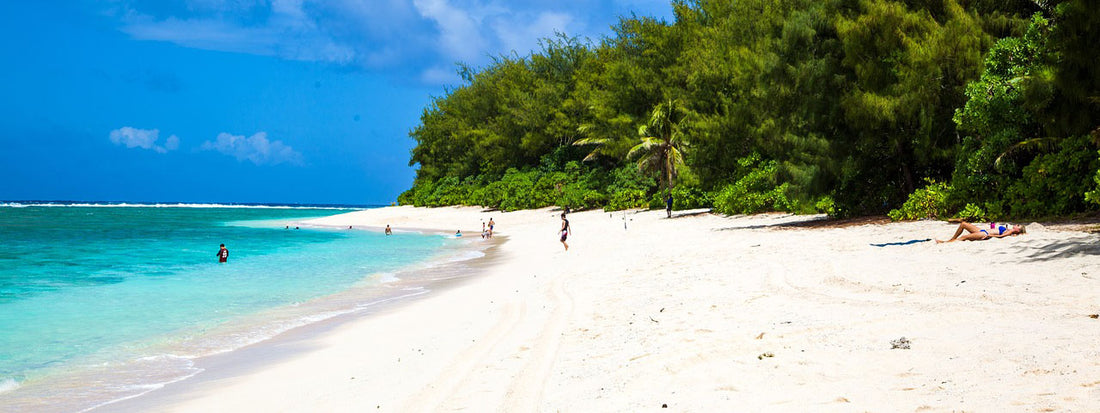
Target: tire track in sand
451 378
525 392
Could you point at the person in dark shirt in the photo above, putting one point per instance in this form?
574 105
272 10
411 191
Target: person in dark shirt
223 254
565 231
668 204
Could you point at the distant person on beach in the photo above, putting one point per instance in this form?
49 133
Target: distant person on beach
388 230
223 254
565 231
977 234
458 233
491 225
668 204
484 230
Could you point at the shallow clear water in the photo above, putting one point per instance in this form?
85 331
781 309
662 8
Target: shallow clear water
91 286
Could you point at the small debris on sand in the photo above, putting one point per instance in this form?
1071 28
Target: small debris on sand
902 343
768 354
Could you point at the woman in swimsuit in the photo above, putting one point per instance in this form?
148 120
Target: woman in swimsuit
977 234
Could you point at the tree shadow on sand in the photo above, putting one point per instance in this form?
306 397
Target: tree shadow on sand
1078 246
690 213
813 222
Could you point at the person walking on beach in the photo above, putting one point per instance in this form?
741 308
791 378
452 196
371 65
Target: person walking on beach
565 231
223 254
491 224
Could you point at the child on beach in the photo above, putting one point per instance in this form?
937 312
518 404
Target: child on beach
977 234
565 231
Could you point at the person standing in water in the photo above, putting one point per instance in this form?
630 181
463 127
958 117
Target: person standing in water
223 254
388 230
491 224
565 231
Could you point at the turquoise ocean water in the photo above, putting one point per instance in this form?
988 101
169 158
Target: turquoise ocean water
101 303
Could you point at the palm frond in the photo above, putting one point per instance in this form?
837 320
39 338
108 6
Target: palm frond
1025 146
591 141
645 148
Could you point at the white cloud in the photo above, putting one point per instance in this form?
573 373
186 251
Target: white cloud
172 143
143 138
440 76
288 32
522 36
406 36
256 149
460 36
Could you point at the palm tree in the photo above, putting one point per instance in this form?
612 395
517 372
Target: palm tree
662 142
600 137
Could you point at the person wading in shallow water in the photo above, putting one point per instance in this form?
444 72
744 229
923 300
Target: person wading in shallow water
565 231
223 254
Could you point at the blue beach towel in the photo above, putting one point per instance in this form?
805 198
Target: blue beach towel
912 241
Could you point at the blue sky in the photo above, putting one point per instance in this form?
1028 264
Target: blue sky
280 101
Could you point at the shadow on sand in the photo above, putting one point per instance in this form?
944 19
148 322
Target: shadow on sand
1082 245
814 222
690 213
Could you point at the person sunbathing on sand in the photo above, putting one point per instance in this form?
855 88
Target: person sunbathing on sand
977 234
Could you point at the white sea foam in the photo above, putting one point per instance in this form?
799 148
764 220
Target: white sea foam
8 384
142 389
386 277
466 256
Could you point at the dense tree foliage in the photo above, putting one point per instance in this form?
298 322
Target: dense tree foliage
986 108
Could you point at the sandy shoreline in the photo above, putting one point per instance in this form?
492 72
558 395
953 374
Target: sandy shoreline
697 313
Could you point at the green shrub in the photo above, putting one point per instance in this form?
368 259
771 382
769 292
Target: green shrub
927 202
825 205
626 199
756 191
1055 183
683 197
1094 195
972 213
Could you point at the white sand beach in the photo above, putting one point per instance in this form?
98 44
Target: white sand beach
699 313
